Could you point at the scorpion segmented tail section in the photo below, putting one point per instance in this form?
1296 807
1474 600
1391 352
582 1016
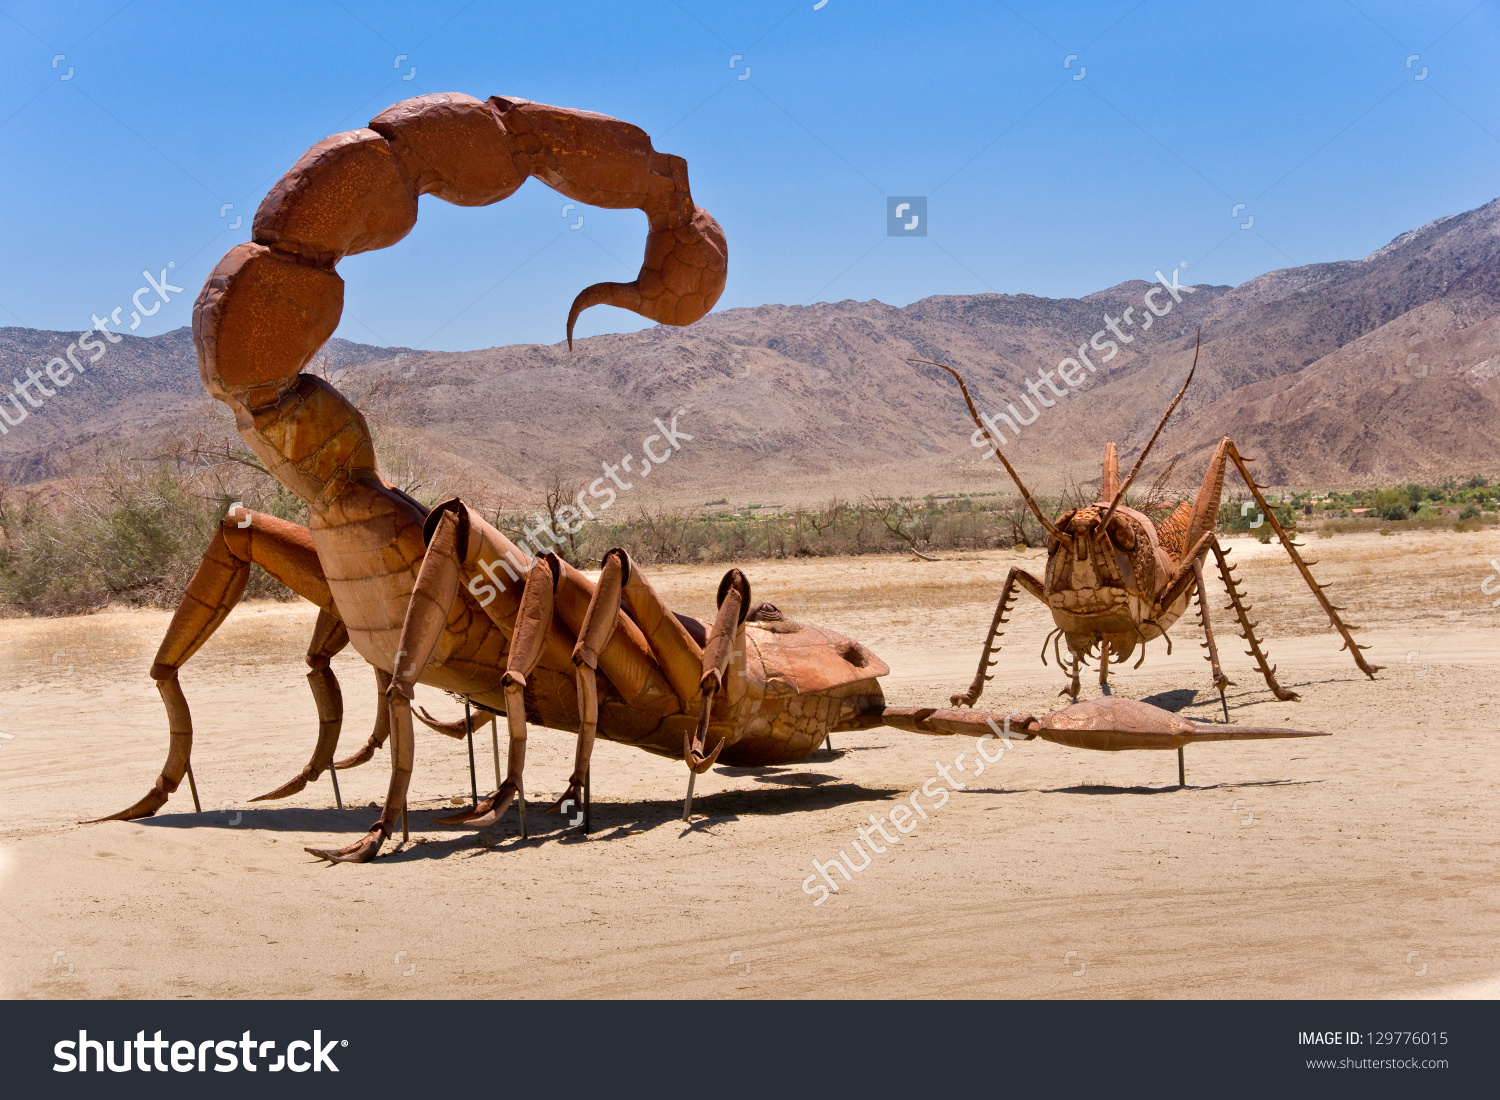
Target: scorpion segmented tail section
271 303
604 162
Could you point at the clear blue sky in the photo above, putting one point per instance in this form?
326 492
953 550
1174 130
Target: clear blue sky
1038 183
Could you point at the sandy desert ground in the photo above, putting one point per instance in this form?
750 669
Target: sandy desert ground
1360 865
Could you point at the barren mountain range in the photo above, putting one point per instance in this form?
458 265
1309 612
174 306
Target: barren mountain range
1357 372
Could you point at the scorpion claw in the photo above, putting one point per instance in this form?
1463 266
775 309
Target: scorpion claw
700 763
455 729
363 756
155 799
487 812
290 787
361 851
573 793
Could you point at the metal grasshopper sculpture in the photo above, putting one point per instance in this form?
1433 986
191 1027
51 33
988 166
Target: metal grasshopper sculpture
1115 579
440 597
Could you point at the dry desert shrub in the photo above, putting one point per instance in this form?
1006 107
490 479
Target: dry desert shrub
122 532
655 534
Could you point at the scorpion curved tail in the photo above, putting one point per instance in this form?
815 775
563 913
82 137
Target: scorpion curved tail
271 303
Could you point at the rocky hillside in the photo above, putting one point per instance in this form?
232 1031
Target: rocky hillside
1374 370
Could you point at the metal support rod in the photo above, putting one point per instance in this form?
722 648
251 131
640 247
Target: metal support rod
687 803
333 773
495 747
405 835
828 741
469 736
193 786
1225 703
1181 769
521 804
586 821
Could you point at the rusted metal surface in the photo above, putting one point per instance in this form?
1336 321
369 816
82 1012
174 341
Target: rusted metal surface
1116 580
439 596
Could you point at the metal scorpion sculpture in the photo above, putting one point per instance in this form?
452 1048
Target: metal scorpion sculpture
440 597
1115 578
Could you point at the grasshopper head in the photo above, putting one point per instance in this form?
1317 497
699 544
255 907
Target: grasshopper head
1093 583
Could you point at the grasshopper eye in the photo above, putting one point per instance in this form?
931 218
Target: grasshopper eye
1122 534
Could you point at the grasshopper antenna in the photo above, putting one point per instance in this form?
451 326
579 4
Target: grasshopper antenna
973 412
1119 496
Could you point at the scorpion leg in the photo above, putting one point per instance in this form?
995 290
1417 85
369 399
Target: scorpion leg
674 649
426 616
1008 595
724 645
533 623
329 636
598 627
283 550
382 725
457 729
725 641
